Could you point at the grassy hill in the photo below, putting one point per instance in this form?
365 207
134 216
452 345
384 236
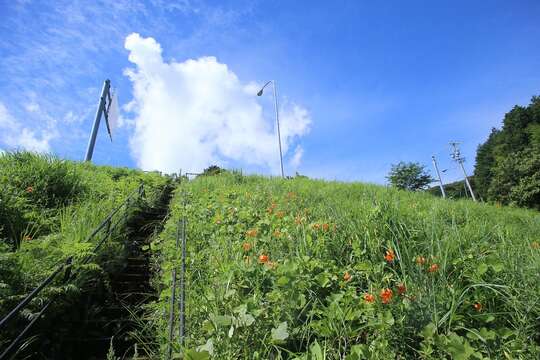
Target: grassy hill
303 269
276 269
48 209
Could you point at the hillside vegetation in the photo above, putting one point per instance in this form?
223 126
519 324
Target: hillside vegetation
302 269
507 166
48 209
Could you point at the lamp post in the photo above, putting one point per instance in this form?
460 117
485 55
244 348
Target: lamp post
277 121
104 107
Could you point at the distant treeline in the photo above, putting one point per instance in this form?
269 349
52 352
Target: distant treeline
507 167
454 190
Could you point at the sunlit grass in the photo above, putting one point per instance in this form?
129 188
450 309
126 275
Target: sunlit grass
474 294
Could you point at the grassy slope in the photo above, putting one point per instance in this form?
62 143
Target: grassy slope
480 299
48 207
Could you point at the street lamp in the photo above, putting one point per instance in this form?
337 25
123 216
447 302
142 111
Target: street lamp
277 120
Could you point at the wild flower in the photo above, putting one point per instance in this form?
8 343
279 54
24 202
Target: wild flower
347 276
433 268
420 260
389 255
271 208
401 289
298 220
477 306
29 189
386 295
280 214
369 298
246 246
252 233
316 226
325 227
263 259
277 233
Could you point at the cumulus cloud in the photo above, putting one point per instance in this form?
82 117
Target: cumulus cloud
297 157
15 135
195 113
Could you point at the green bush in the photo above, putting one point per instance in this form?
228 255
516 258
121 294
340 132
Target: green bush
51 222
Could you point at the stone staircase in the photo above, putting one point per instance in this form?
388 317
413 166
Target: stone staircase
121 313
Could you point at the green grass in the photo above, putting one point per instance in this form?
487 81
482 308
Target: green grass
480 301
48 208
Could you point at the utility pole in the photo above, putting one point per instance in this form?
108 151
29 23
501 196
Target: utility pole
441 185
277 121
456 155
104 105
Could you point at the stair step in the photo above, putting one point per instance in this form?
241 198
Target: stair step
134 275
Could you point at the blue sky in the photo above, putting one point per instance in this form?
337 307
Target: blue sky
372 83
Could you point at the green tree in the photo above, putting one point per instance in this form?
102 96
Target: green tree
507 164
409 176
212 170
485 164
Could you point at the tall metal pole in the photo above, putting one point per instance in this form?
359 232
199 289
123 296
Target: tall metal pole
95 127
467 181
278 131
457 156
182 327
172 302
441 185
182 304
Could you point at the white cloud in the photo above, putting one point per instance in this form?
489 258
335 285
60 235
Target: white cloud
14 135
32 107
195 113
297 157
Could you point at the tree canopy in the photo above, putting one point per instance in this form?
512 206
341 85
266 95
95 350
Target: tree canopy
409 176
508 164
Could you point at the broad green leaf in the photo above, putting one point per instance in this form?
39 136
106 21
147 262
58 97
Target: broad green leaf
221 320
428 331
197 355
280 333
209 347
481 269
316 351
282 281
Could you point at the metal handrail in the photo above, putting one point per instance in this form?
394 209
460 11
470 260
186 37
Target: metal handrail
67 264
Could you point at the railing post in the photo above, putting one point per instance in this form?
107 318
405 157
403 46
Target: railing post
173 298
141 190
182 328
108 228
67 273
126 210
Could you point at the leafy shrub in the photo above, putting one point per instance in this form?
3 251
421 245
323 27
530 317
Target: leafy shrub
52 222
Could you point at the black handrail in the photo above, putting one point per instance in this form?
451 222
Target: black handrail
67 264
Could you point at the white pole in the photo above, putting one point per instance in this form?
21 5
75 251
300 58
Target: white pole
95 127
457 156
467 180
278 131
441 185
